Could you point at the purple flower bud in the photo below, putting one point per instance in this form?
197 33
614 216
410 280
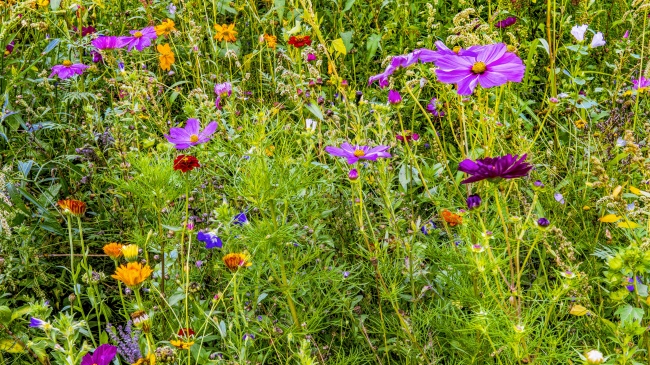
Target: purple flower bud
346 274
543 222
353 174
627 34
473 201
394 97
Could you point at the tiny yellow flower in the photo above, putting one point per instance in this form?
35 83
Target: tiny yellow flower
580 123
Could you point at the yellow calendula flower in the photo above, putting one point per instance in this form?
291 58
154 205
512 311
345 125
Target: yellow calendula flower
132 274
130 252
271 40
166 56
225 32
43 3
165 28
580 123
236 260
181 344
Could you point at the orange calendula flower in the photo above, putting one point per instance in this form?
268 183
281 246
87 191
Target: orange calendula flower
71 206
113 250
166 56
236 260
165 28
451 218
271 40
225 32
181 344
132 274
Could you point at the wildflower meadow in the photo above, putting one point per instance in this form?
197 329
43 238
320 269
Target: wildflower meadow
203 182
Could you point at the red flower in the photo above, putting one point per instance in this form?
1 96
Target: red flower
300 41
185 332
186 163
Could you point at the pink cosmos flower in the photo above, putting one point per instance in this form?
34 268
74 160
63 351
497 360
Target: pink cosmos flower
139 39
222 90
68 69
641 83
191 135
108 42
356 153
492 66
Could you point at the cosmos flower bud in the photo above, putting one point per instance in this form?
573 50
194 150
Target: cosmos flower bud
353 174
473 201
394 97
543 222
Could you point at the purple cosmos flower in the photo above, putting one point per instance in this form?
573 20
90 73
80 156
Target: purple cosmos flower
68 69
432 108
240 219
394 97
211 240
505 23
222 90
353 174
191 135
401 61
139 39
97 57
356 153
543 222
108 42
495 168
641 83
103 355
492 66
473 201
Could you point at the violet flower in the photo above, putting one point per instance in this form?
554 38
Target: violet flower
395 63
139 39
68 69
640 83
358 152
39 323
543 222
473 201
222 90
191 135
492 66
127 341
495 168
9 48
353 174
240 219
598 40
103 355
432 108
578 32
505 23
427 227
108 42
210 239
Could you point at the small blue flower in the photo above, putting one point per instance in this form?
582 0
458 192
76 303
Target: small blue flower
240 219
211 240
346 274
248 336
38 323
427 227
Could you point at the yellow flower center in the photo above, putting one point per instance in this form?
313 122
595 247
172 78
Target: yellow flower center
456 49
137 34
67 63
479 68
194 138
359 153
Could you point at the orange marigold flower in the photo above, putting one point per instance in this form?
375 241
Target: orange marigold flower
271 40
451 218
236 260
71 206
165 28
132 274
166 56
113 250
225 32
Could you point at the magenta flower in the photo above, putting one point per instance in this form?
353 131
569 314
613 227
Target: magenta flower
505 23
139 39
191 135
495 168
395 63
103 355
394 97
68 69
356 153
108 42
222 90
9 48
492 66
641 83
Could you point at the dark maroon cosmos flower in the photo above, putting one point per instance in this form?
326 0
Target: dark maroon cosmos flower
495 168
186 163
